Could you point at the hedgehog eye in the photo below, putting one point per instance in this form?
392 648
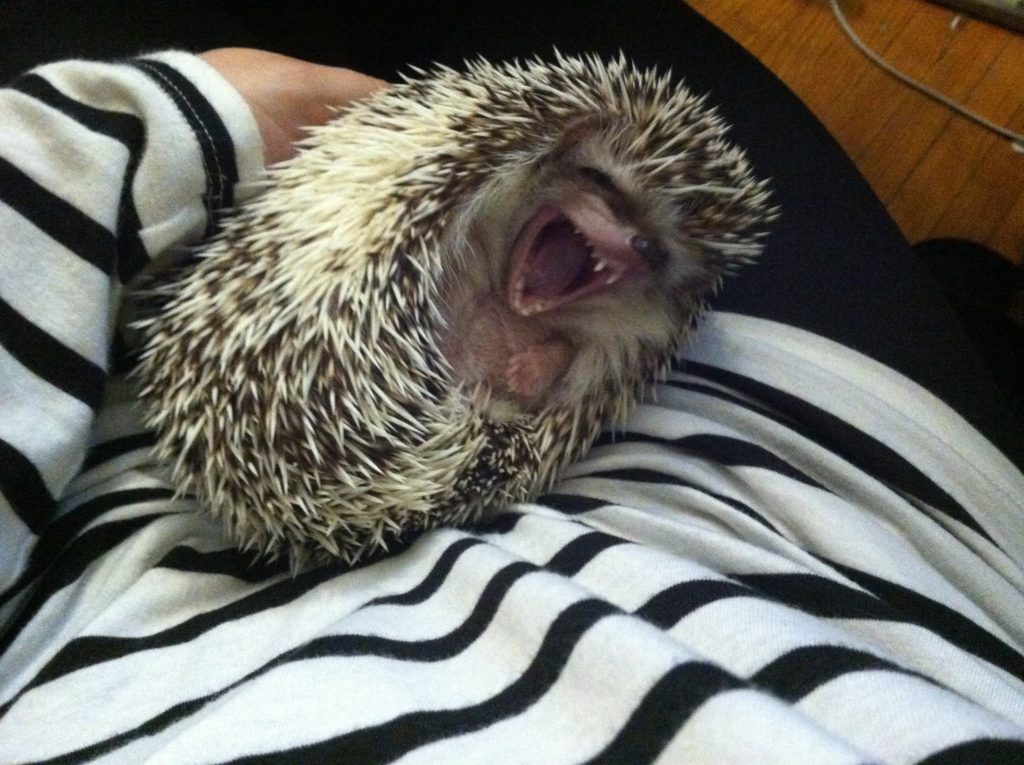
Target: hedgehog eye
599 177
650 249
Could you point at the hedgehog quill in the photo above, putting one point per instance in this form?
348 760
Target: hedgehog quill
442 299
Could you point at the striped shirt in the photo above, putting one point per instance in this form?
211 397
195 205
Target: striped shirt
790 554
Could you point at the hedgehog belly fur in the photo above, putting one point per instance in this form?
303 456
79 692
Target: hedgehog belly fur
441 300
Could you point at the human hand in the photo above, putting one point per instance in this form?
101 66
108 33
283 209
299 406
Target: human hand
286 94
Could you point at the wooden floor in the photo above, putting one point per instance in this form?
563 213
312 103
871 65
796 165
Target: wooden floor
938 174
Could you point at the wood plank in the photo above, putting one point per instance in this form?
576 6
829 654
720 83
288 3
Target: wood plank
961 60
970 157
937 173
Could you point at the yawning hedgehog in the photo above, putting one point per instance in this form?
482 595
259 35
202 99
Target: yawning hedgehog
440 301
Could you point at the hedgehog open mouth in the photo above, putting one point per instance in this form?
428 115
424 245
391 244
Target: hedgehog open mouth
570 250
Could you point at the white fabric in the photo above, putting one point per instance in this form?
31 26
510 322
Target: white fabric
724 581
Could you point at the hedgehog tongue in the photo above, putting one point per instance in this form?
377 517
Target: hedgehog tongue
569 250
560 257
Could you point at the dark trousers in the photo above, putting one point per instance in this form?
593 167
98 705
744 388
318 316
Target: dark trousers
835 264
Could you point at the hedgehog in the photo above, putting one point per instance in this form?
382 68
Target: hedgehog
442 300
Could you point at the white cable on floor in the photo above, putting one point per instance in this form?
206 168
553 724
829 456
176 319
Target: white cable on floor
1016 139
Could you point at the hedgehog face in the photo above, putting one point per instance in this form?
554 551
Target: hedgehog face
570 266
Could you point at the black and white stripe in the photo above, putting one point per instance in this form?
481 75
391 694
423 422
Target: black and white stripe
213 136
789 554
130 131
70 221
573 580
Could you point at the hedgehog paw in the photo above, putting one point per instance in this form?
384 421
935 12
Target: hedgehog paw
532 371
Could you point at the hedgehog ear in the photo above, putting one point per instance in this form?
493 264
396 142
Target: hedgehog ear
575 133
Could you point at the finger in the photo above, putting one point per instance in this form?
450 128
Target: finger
341 86
330 88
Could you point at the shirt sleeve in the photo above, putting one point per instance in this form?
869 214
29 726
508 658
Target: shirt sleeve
103 167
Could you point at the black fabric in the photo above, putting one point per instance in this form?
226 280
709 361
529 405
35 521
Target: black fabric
801 671
108 450
37 31
670 605
664 710
215 141
871 455
981 287
85 550
393 739
59 534
48 358
24 488
982 752
126 128
56 218
836 264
